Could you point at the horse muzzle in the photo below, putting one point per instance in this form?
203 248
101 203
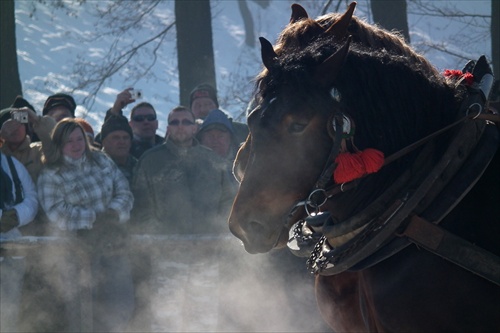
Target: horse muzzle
257 236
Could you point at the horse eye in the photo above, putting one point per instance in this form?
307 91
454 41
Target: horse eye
296 127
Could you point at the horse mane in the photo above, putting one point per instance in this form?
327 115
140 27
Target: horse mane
297 35
383 84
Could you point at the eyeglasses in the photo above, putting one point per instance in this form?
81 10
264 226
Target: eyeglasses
140 117
184 122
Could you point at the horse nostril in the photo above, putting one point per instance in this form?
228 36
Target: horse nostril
255 227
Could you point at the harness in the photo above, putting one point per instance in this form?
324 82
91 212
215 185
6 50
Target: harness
410 210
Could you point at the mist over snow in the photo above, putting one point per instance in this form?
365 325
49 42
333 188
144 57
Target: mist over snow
50 41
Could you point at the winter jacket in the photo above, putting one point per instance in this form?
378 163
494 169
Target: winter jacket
72 195
181 190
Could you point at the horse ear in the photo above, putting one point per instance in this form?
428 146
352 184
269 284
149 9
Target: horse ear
298 13
339 28
327 71
268 54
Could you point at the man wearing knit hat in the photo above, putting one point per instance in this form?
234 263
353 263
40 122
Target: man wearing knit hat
59 106
116 136
203 99
217 133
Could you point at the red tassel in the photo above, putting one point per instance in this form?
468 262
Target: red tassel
349 167
372 159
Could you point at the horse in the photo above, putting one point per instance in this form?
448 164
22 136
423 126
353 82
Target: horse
381 170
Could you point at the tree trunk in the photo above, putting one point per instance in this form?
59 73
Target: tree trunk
194 46
9 72
391 14
495 37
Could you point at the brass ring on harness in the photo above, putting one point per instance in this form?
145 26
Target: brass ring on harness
311 203
478 112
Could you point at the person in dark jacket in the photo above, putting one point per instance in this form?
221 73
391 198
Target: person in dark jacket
182 190
181 186
143 121
217 133
116 137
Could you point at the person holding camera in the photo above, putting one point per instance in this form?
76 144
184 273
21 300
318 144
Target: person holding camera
15 139
143 121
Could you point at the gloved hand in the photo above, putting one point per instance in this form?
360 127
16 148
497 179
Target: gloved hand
109 215
9 220
108 232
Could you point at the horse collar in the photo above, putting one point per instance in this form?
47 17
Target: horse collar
372 231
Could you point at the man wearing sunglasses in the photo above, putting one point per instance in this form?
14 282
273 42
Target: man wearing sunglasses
144 125
181 186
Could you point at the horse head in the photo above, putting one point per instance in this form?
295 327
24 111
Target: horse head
318 71
288 144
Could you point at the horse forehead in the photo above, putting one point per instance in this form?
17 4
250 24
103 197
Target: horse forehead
274 110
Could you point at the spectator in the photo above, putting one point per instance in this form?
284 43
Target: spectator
217 133
20 103
59 106
203 99
17 142
18 206
181 186
116 137
84 194
143 121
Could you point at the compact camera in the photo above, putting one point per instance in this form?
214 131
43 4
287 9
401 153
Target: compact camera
136 94
20 116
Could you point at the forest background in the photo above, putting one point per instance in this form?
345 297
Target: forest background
95 49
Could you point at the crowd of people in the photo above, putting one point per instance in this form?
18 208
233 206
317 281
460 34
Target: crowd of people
59 178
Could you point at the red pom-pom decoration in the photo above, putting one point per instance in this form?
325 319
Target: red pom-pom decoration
349 167
453 73
373 159
469 79
458 74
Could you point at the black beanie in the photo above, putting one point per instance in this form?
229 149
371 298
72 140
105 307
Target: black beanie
59 100
20 102
203 90
115 123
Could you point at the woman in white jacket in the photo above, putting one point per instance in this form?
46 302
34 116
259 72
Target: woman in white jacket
84 194
18 207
